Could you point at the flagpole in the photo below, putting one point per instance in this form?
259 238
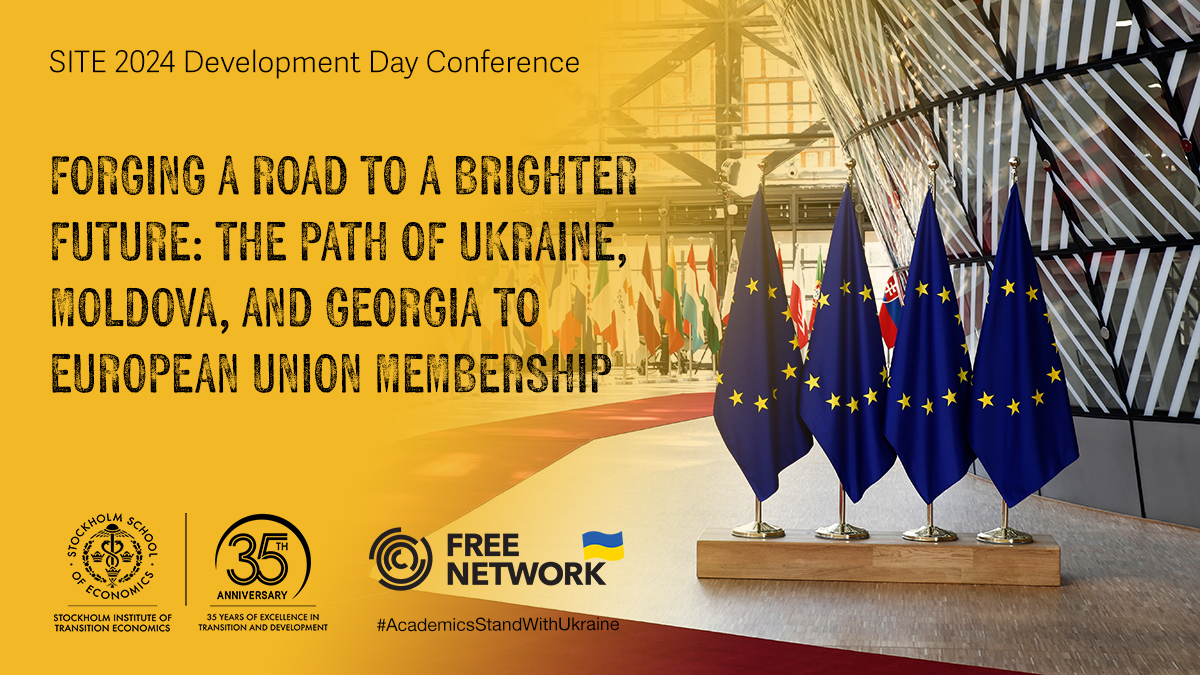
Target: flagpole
842 529
931 532
758 529
1005 534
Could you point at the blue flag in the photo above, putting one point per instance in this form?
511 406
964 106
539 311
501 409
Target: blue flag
755 405
1020 416
843 389
930 385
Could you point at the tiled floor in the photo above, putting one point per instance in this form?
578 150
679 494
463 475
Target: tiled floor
1130 600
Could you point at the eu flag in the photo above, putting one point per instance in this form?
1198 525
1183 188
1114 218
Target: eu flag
843 386
930 385
1020 416
755 405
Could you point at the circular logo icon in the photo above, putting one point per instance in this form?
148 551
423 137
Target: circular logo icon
402 561
114 554
263 550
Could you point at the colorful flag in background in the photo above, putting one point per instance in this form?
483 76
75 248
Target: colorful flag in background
730 280
812 317
843 387
691 302
798 315
930 385
604 306
1019 420
889 314
647 314
755 404
668 303
708 298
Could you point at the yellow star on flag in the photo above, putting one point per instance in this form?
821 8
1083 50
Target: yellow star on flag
834 401
1037 397
883 373
789 372
962 374
965 348
795 342
737 397
871 395
950 397
1032 293
959 317
928 406
719 375
904 401
922 289
823 301
761 403
845 288
1054 375
945 294
853 405
753 286
775 394
1014 406
771 291
812 382
865 293
787 314
986 400
1008 288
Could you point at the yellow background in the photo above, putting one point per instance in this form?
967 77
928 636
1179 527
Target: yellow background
311 458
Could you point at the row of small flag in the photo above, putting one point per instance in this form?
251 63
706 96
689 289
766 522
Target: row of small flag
933 408
625 306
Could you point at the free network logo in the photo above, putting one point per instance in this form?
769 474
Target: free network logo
403 562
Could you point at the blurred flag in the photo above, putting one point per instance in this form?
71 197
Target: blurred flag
1019 421
816 292
514 334
730 280
889 314
537 334
708 298
668 303
755 405
842 392
930 385
557 305
798 316
691 301
647 315
604 306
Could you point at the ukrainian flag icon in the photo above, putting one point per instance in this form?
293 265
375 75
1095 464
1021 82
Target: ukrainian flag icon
601 545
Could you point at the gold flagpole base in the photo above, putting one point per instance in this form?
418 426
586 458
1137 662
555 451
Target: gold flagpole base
930 533
842 531
758 530
1004 535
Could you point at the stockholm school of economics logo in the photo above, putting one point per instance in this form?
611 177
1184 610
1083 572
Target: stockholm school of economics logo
112 556
403 562
113 552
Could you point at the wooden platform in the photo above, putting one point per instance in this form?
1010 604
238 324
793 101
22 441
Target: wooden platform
884 557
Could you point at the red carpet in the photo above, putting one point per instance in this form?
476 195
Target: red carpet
474 464
495 456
